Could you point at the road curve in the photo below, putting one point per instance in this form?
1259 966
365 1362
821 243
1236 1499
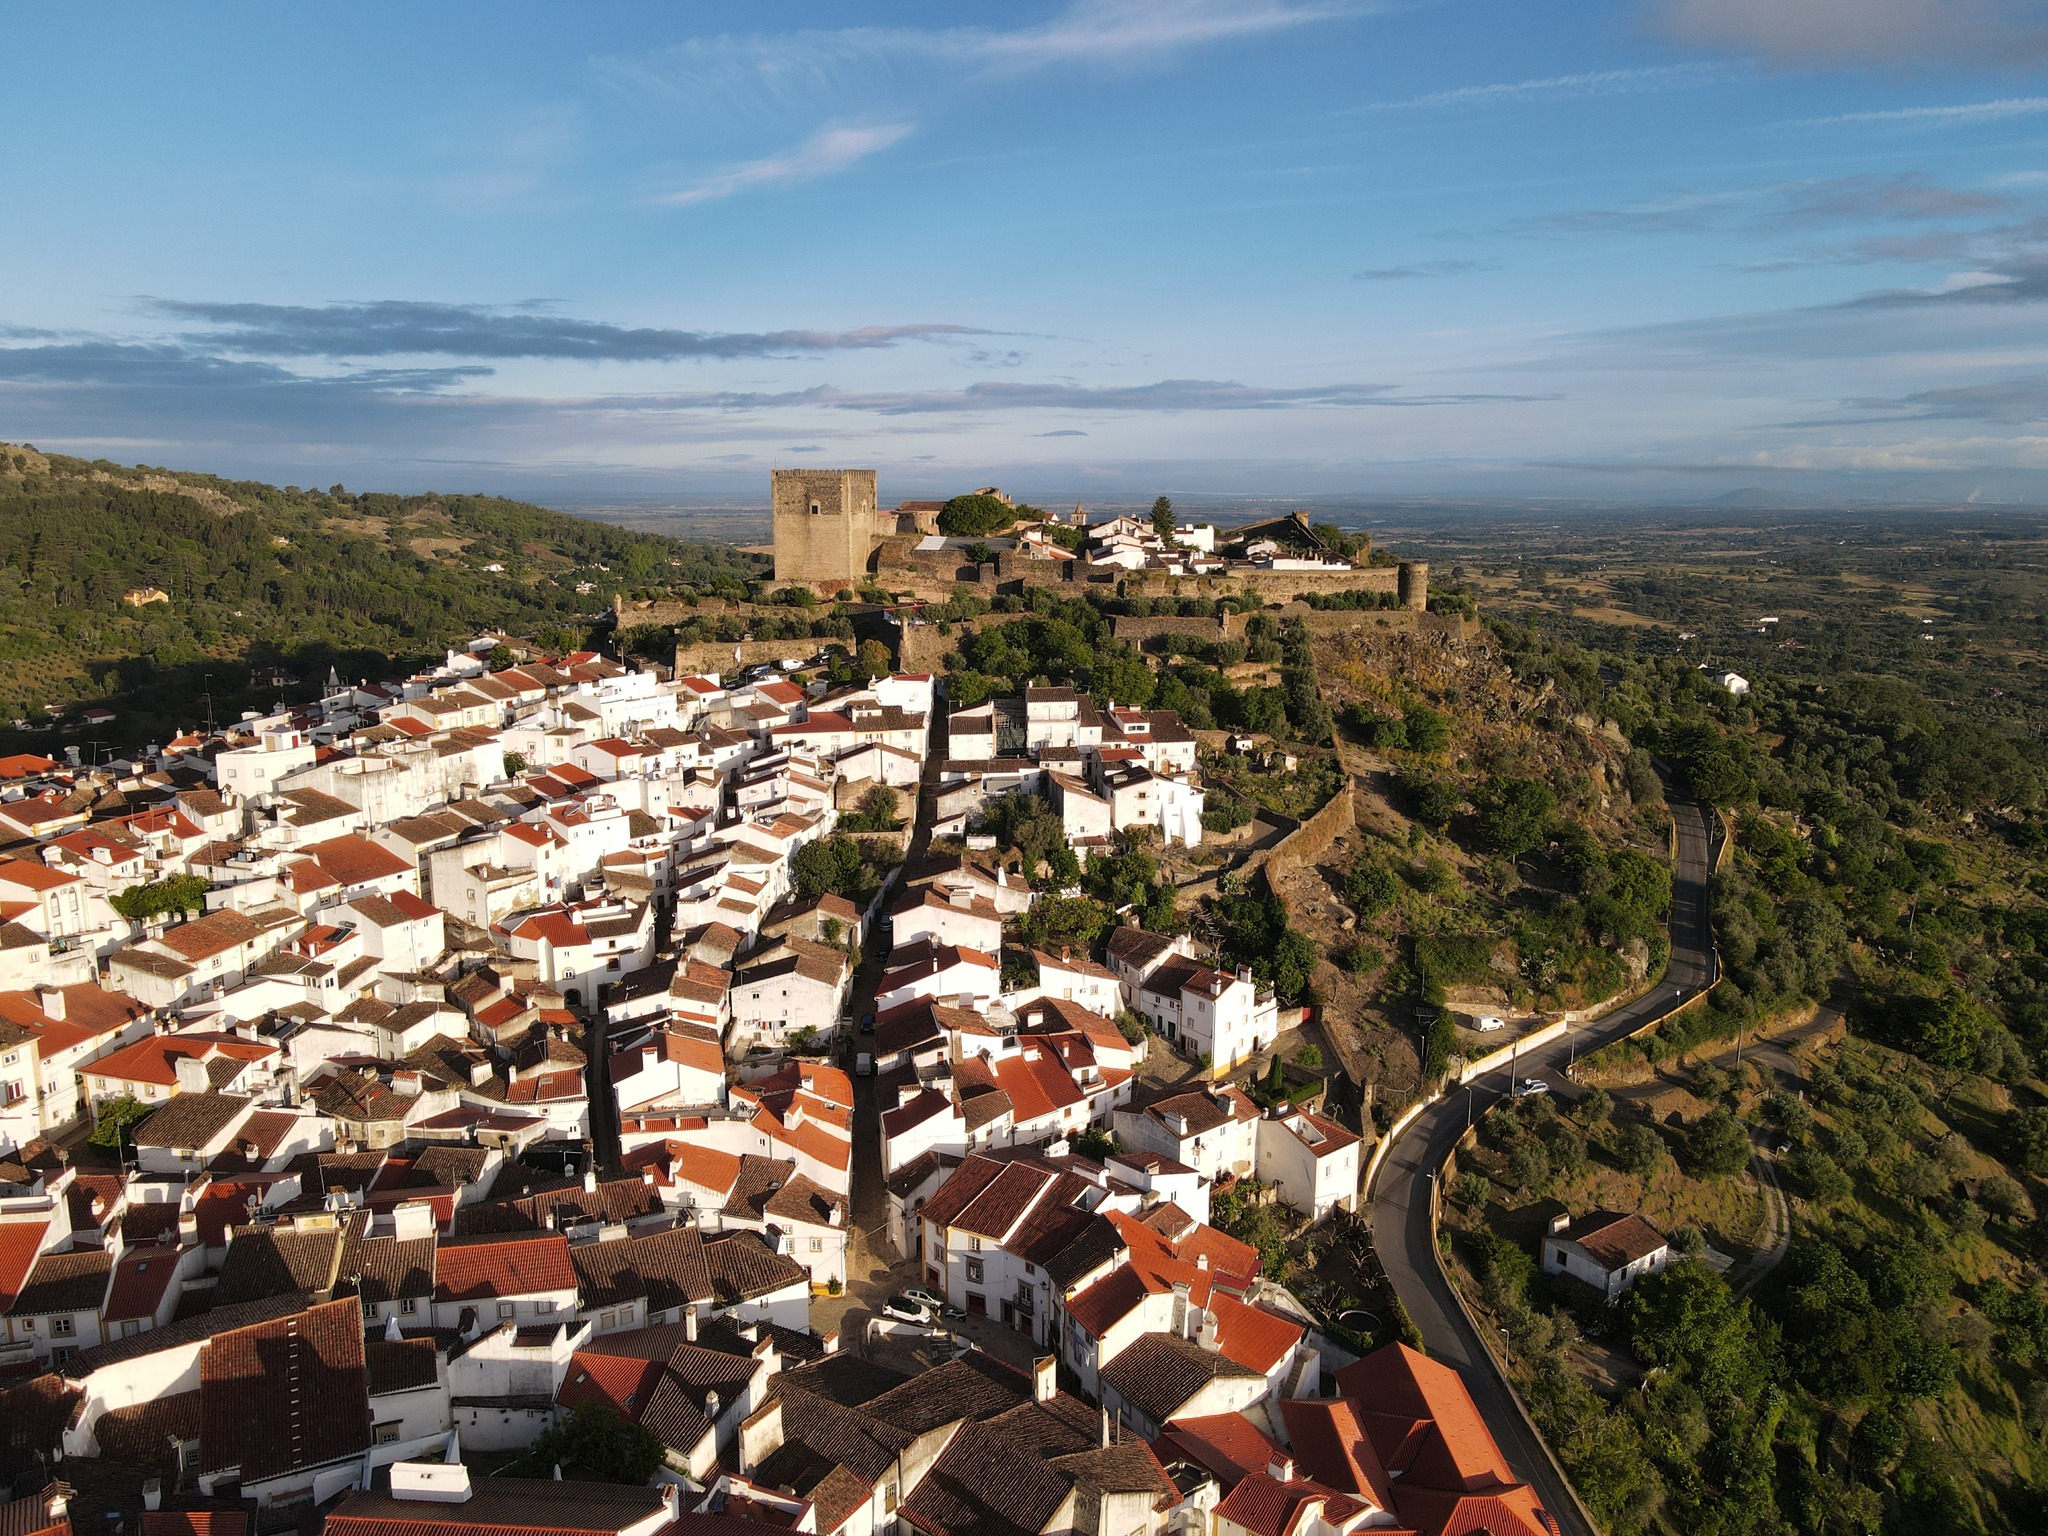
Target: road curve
1404 1234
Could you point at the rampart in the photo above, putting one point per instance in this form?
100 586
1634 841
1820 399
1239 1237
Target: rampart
1308 842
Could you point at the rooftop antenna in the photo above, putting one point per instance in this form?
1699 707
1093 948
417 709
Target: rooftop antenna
209 703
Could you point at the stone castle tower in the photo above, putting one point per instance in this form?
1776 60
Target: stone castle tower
825 525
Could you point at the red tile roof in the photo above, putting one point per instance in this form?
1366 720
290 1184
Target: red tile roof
285 1395
19 1243
1230 1445
500 1266
1251 1335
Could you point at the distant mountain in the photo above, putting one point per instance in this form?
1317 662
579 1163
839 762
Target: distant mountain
143 589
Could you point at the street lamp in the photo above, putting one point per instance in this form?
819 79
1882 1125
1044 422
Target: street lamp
1507 1349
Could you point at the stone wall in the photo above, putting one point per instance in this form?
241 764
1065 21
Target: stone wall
924 649
710 658
1138 631
1308 842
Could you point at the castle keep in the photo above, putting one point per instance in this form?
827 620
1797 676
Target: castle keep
826 526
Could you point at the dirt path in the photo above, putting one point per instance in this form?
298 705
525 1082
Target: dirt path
1777 1212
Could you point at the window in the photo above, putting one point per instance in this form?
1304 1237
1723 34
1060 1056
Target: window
974 1271
504 1311
543 1306
387 1434
974 1245
817 1245
409 1305
608 1321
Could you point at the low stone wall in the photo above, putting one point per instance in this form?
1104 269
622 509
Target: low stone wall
710 658
1506 1055
1138 631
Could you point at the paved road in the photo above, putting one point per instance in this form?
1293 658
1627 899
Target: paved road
1405 1236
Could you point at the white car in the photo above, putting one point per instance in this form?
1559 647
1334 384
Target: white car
1531 1086
904 1310
1487 1024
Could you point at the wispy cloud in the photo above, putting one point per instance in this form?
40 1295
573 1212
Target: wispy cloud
1449 267
828 150
1597 82
1961 113
411 328
1894 33
1167 396
1114 33
1118 31
1906 198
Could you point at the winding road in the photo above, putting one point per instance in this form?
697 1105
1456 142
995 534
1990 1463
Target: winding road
1404 1231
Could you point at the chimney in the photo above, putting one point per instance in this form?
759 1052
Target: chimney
58 1498
51 1000
1045 1378
1281 1469
1105 1429
1207 1331
711 1406
1559 1222
690 1322
191 1073
188 1228
152 1493
393 1334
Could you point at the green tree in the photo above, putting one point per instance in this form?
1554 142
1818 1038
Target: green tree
1638 1148
1427 729
113 1118
595 1444
872 658
160 898
1515 815
1717 1144
1162 518
975 514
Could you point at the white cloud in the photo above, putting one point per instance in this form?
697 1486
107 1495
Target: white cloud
1960 113
1599 82
1099 31
742 73
828 150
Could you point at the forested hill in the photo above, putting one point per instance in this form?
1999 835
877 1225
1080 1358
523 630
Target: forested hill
266 587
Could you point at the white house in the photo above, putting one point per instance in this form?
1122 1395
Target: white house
1309 1162
1607 1250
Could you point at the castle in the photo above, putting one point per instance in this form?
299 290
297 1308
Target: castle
831 533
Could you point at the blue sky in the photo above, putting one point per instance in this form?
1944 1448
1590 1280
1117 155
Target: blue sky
1587 248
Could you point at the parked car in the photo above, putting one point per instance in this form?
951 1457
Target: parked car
927 1298
864 1065
905 1310
1486 1024
1531 1086
867 1024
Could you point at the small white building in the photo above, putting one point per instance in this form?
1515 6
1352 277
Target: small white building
1309 1162
1607 1250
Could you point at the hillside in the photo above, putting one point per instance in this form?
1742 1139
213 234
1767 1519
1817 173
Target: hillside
264 588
